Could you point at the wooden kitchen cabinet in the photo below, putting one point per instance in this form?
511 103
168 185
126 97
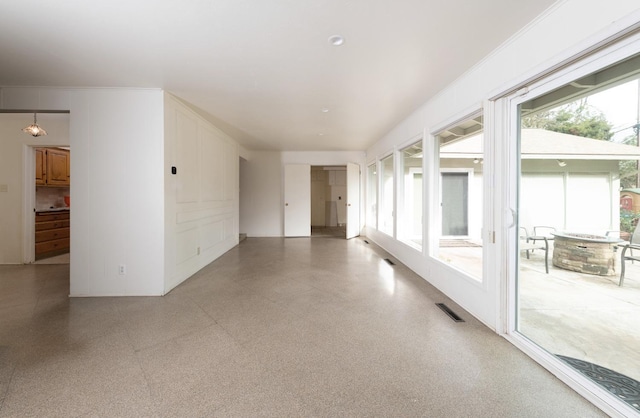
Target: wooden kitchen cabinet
52 233
41 169
52 167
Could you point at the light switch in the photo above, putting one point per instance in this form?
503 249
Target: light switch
4 188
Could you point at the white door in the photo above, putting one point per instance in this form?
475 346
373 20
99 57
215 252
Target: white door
353 200
297 200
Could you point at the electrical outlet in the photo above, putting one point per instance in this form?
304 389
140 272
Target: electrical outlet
122 269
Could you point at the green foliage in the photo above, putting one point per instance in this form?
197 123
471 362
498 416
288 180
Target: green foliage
629 168
628 174
577 118
628 220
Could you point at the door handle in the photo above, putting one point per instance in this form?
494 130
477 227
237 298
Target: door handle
513 218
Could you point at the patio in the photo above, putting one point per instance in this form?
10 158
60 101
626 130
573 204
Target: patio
573 314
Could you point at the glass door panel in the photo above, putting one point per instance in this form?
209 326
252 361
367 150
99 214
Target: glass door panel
579 147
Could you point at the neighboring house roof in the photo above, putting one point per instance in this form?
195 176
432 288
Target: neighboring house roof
543 144
634 191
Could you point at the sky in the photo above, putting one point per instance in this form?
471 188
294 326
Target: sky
620 105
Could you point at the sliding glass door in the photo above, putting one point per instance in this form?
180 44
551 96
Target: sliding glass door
577 205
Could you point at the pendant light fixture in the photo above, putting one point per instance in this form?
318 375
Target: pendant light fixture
34 129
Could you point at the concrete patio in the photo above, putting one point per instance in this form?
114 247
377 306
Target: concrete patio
573 314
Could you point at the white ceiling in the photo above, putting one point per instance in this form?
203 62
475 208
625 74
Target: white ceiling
263 69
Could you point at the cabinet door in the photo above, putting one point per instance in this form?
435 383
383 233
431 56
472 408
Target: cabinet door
57 167
41 169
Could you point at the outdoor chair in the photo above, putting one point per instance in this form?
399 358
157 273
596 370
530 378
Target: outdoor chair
629 246
542 231
528 243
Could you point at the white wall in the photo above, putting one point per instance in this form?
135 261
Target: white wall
558 196
261 210
261 186
201 199
15 146
117 185
567 29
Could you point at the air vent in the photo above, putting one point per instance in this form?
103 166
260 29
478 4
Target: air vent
449 312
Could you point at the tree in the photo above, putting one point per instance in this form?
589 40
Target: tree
629 168
578 118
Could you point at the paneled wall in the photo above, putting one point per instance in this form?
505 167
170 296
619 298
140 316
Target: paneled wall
201 198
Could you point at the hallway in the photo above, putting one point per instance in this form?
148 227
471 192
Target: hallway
275 327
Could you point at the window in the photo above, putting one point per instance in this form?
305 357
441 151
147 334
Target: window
461 157
372 196
385 219
410 205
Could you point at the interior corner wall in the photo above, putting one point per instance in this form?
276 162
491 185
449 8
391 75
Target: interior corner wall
261 195
262 190
568 28
202 197
13 144
117 190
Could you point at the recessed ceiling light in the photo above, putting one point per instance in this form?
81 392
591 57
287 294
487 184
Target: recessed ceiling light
336 40
324 110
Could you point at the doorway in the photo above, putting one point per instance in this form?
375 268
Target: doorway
328 197
322 200
52 205
455 204
45 165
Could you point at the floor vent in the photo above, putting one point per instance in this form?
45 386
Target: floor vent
449 312
390 262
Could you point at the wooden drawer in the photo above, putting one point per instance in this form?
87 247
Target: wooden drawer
52 217
43 226
55 245
52 234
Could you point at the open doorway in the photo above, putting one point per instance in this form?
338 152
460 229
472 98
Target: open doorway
334 207
52 226
18 171
328 201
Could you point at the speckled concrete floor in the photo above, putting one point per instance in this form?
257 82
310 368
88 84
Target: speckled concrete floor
276 327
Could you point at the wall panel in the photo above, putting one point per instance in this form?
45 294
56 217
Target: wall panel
187 161
201 199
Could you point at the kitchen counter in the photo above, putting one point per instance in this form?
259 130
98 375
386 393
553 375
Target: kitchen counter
53 210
